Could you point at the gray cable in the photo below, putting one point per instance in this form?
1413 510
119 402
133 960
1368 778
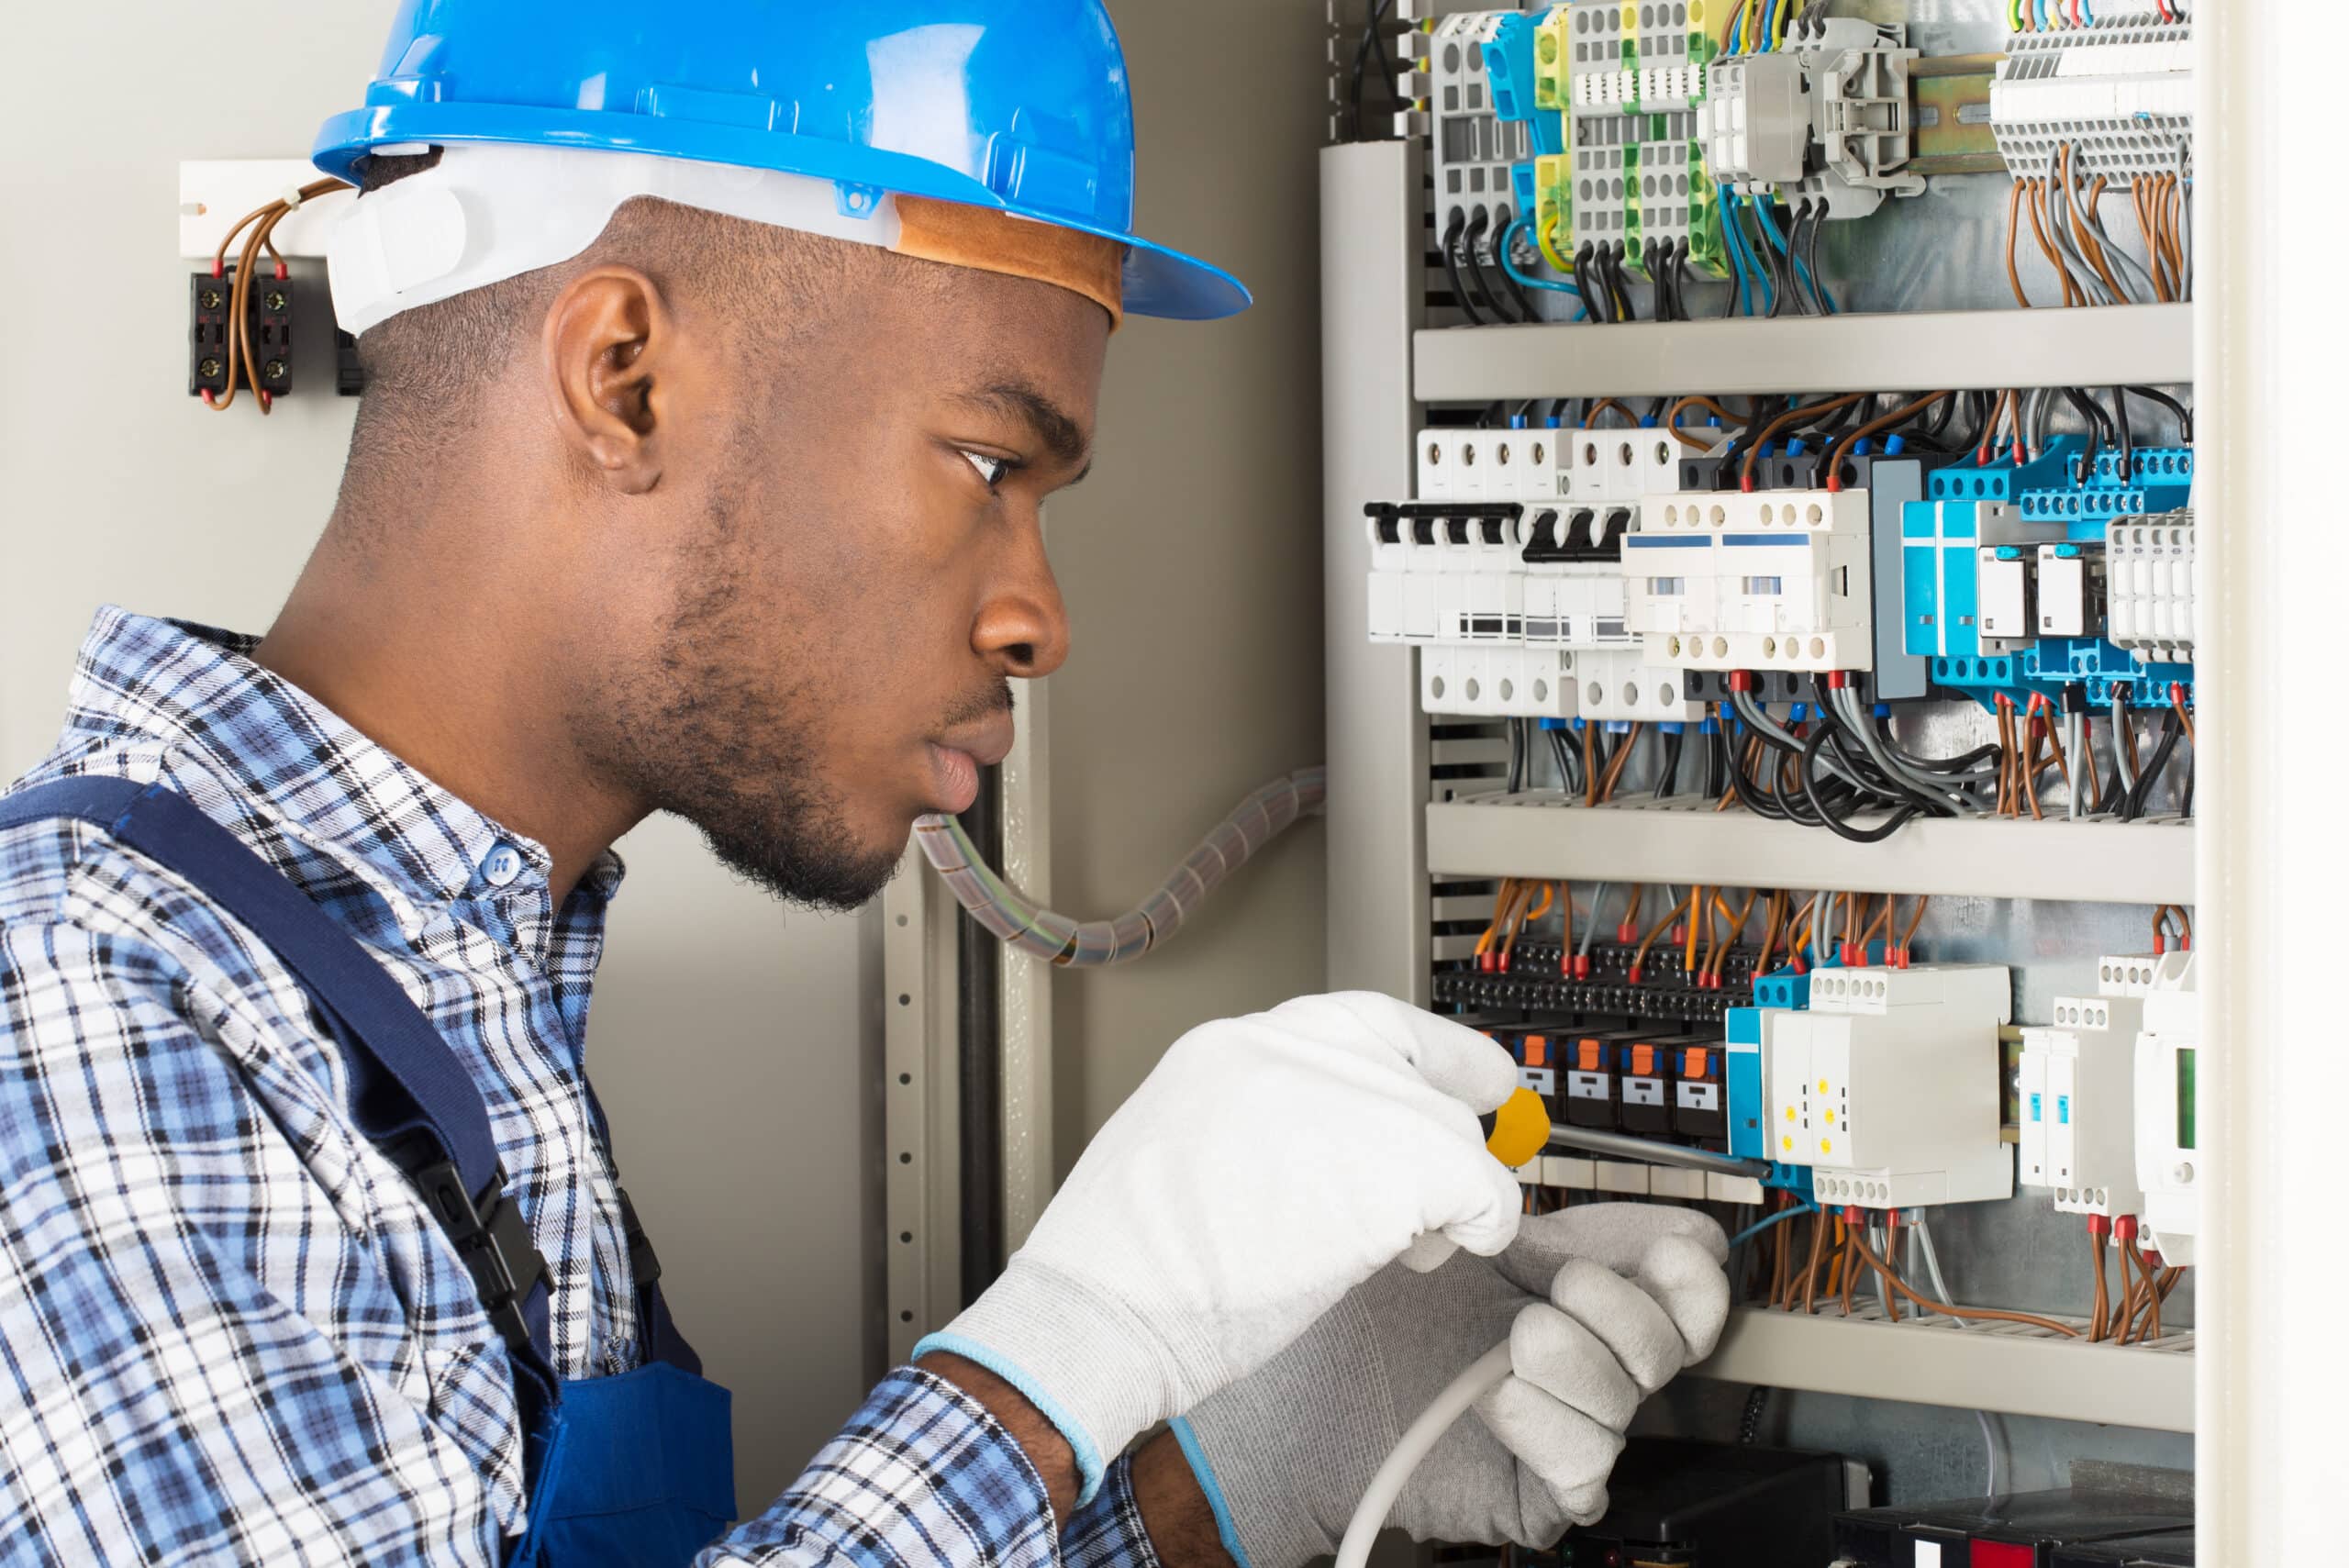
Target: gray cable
1941 1293
2078 760
1935 785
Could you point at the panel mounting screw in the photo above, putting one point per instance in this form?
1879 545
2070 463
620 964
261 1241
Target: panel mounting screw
208 368
274 368
209 298
274 300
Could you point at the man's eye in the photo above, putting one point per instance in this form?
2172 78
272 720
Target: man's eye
992 469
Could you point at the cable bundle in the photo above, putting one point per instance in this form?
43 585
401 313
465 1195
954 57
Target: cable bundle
264 221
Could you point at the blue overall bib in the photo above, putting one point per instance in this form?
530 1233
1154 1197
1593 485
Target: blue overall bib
635 1469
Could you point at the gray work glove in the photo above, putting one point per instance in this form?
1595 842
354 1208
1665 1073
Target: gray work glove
1601 1305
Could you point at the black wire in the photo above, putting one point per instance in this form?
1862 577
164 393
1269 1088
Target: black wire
2151 772
1569 761
1716 762
1373 35
1780 287
1451 269
1525 311
1668 774
1937 424
2177 410
1811 256
1585 260
1475 270
1805 292
1619 288
1843 830
2128 441
2100 428
1516 755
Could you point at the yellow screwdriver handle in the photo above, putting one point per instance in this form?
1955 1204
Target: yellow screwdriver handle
1519 1130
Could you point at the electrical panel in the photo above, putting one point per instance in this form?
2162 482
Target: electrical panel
1803 661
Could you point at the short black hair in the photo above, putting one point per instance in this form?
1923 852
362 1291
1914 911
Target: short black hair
426 366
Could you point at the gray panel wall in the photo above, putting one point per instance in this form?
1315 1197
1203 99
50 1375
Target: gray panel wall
1191 559
734 1047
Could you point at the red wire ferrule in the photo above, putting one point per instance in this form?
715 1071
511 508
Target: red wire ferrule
1838 679
1627 933
1581 966
1635 974
1741 680
2125 1228
2099 1226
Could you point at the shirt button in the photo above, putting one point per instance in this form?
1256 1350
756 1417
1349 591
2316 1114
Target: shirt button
501 865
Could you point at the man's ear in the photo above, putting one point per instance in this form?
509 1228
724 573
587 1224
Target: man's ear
608 345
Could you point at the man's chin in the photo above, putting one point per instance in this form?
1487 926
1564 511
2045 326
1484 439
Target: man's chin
831 873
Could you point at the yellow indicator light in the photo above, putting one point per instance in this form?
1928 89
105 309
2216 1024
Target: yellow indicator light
1787 1144
1825 1147
1790 1112
1822 1086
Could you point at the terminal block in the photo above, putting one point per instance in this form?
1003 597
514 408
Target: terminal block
2078 1093
207 348
2150 585
1473 147
1824 116
268 333
1773 580
2167 1158
2119 93
1887 1087
1627 81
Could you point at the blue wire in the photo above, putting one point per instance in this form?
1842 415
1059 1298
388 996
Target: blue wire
1759 1226
1744 247
1534 283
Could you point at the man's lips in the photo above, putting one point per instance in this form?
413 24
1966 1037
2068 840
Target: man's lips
955 761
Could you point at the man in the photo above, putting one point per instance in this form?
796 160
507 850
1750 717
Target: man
720 365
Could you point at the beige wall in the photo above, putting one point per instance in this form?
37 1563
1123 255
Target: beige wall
735 1044
1191 559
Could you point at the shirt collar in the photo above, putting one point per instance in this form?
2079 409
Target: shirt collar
292 760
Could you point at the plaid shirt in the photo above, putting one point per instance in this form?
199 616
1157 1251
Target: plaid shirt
229 1327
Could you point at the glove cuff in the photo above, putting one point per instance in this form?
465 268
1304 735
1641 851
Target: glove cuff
1070 1354
1225 1529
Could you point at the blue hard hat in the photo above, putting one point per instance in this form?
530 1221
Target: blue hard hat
1019 104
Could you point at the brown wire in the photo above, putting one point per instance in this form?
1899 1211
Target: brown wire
1848 1266
1745 472
1983 1313
2103 1298
1810 1270
1591 419
2014 224
1916 919
1843 446
1615 768
2037 210
1589 768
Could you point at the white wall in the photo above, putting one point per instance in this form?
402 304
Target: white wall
733 1046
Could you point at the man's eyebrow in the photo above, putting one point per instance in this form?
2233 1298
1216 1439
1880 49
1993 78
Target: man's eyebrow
1062 437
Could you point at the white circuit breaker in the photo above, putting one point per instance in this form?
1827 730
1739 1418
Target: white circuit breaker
1516 597
1887 1087
2168 1162
2079 1094
2150 585
1770 580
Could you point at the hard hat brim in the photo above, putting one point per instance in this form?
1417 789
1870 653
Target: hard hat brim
1158 282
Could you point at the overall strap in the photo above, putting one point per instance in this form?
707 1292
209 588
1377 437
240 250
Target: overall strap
410 1094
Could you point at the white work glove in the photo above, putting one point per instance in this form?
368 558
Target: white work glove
1268 1165
1600 1304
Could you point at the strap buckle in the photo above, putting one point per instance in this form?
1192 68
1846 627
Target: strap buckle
642 1259
494 1241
